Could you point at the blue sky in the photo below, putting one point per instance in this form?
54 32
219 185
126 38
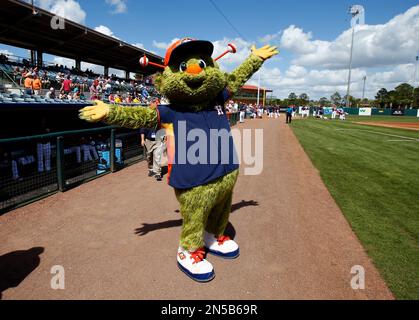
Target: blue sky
312 36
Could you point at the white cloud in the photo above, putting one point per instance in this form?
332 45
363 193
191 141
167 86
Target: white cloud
106 31
94 67
69 63
64 62
269 38
163 45
117 72
390 44
69 9
138 45
6 52
119 6
324 82
383 53
297 41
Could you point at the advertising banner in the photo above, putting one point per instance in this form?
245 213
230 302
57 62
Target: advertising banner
365 112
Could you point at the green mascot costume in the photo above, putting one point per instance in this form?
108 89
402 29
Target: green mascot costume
197 90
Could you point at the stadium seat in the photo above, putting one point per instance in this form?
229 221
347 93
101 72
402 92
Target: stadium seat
7 100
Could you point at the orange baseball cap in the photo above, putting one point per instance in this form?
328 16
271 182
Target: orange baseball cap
178 50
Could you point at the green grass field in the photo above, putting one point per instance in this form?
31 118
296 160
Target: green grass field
373 174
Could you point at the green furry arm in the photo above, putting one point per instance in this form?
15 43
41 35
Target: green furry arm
244 72
132 117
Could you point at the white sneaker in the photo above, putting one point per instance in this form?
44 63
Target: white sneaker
221 246
194 265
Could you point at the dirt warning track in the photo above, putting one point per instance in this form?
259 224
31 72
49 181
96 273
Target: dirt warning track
117 237
397 125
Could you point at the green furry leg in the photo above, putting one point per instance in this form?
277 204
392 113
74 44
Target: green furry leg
218 218
210 203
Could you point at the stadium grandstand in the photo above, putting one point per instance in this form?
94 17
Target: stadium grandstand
44 147
29 27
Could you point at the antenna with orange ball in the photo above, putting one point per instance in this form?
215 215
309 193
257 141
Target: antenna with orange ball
231 49
144 62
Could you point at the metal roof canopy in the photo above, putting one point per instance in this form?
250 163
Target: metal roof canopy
254 88
20 27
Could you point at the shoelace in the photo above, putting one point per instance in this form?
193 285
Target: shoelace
198 255
222 239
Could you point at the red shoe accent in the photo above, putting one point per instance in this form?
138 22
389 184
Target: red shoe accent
222 239
198 255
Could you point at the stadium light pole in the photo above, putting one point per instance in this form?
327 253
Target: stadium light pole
357 13
350 68
363 89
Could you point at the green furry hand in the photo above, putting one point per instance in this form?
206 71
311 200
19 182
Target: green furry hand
265 52
95 113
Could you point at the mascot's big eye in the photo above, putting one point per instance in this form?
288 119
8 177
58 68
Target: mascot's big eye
183 66
202 64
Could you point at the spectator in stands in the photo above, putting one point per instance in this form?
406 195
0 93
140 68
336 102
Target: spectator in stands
17 76
93 90
23 74
37 85
108 86
128 99
118 99
59 77
99 89
66 86
76 94
28 83
44 80
51 94
136 99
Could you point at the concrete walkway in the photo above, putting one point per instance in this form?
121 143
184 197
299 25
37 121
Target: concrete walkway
117 237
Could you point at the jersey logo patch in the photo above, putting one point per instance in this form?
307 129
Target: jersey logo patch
219 110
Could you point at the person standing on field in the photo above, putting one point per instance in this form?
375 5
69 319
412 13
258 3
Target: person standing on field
290 111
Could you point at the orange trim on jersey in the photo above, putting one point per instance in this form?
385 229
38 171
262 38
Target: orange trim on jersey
170 143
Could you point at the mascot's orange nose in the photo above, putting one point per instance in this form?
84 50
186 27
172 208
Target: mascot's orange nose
194 69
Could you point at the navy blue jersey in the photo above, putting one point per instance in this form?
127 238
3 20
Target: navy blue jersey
197 157
149 134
